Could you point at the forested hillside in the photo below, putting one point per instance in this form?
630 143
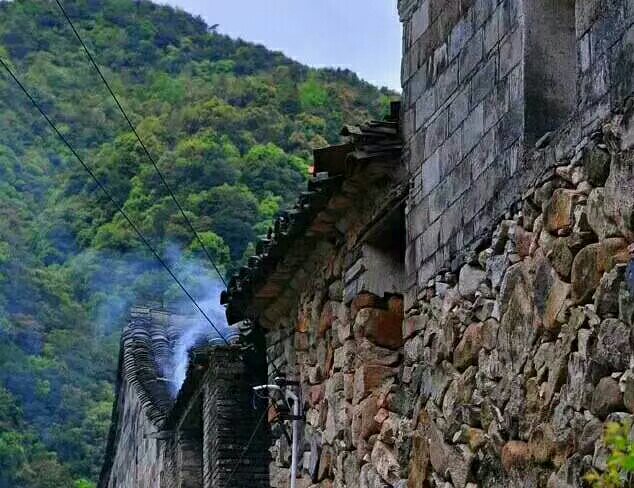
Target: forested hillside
231 125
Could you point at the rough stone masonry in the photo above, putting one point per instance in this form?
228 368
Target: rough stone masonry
463 317
454 291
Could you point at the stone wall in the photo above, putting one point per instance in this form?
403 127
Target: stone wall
482 82
501 373
231 458
141 464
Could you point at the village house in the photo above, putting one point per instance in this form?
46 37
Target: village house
450 292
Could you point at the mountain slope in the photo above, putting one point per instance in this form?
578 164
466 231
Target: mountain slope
231 125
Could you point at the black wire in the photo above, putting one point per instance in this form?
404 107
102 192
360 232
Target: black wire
246 448
110 197
145 150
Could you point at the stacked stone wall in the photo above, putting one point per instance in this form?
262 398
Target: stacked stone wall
502 373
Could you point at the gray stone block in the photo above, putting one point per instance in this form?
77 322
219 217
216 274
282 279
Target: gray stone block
428 242
436 132
451 152
495 104
458 109
418 220
473 128
446 84
510 127
460 34
417 86
425 108
483 155
420 20
484 81
471 55
482 11
451 222
510 52
430 173
491 32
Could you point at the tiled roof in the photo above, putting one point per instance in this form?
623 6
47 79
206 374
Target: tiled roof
330 192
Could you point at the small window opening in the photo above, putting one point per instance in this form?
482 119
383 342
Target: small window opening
384 251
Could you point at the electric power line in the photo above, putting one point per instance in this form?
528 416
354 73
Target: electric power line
143 146
110 197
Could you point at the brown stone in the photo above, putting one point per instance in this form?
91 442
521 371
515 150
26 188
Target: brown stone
549 293
515 455
541 445
316 394
590 264
558 212
365 300
606 398
523 241
467 350
382 327
419 461
385 462
368 378
395 305
364 422
560 257
328 316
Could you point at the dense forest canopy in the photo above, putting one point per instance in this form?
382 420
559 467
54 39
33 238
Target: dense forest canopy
232 126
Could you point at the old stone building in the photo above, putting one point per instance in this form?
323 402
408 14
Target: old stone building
193 439
451 292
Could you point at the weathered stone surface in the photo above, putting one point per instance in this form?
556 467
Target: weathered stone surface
364 423
517 330
601 225
383 327
606 298
607 397
613 345
515 455
550 293
368 378
619 197
596 163
385 462
558 211
467 350
560 257
590 264
469 280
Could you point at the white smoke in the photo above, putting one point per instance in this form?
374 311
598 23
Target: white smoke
201 333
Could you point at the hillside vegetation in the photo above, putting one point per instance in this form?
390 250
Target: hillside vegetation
231 125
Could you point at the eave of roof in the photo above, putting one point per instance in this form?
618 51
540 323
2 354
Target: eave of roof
375 147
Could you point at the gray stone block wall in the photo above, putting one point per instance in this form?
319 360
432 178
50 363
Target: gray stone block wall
605 53
229 421
483 80
463 122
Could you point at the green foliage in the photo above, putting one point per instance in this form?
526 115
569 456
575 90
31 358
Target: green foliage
231 126
313 95
620 463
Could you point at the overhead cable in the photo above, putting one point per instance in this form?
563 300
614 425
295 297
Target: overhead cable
143 146
107 193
